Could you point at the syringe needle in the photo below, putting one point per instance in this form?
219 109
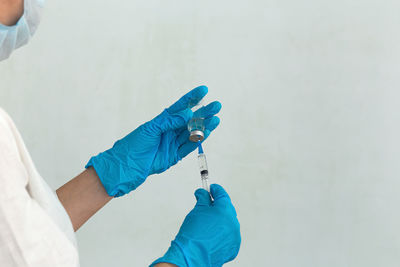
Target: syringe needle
200 147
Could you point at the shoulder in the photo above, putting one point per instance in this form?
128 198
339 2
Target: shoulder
12 171
7 127
3 115
9 138
5 118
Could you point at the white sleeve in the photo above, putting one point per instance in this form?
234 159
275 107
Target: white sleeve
28 235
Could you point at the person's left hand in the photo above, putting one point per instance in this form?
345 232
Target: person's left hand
210 233
154 146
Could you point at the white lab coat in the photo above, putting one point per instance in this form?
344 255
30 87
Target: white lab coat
35 229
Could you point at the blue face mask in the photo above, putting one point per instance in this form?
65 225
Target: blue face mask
13 37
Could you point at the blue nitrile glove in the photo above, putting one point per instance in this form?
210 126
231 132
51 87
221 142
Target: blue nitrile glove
154 146
209 235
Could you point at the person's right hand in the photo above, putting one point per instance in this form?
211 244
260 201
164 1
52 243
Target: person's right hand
210 233
154 146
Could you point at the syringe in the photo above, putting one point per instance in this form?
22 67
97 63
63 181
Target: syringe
203 168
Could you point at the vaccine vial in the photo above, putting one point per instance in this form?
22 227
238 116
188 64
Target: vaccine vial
196 124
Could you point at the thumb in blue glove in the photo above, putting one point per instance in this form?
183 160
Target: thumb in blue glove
154 146
210 233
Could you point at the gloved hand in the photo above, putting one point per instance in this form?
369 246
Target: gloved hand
209 235
154 146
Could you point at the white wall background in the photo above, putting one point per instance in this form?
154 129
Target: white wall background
308 145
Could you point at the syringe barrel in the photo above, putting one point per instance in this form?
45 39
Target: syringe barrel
202 162
203 171
205 184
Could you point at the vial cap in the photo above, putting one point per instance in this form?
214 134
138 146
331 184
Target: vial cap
196 136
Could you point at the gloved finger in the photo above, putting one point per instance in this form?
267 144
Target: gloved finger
189 146
210 124
203 197
208 111
219 195
167 121
189 100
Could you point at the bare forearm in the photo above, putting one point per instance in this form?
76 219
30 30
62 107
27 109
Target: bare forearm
82 197
11 11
